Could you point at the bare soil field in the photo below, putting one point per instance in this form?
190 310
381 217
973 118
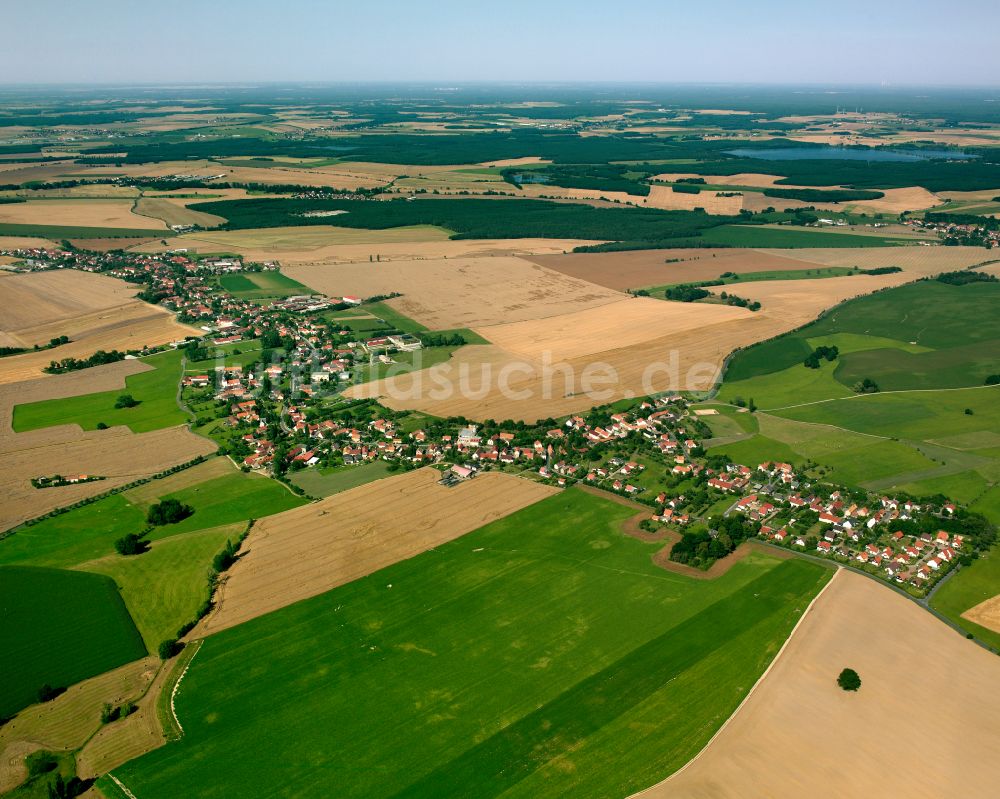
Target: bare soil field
67 721
116 453
528 159
642 268
314 548
986 614
907 661
460 292
171 211
77 213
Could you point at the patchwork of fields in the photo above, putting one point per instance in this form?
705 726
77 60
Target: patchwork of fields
499 637
479 655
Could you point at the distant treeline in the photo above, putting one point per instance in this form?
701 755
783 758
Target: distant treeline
823 195
476 218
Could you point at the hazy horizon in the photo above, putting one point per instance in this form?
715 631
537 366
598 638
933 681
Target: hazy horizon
777 43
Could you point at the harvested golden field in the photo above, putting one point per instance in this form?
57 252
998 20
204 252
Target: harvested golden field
24 243
895 201
528 159
104 245
571 362
924 689
711 201
617 325
323 245
77 213
172 212
642 268
95 311
311 549
116 453
40 298
70 719
986 614
459 292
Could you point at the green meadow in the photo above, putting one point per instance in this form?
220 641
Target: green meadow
970 586
262 285
57 628
494 664
155 390
163 587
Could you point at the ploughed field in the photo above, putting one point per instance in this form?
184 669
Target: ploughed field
517 660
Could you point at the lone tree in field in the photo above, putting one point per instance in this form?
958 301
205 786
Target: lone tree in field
849 680
126 401
170 511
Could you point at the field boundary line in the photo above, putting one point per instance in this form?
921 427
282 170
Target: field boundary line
122 787
750 693
876 394
173 692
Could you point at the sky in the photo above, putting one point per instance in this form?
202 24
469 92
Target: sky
920 42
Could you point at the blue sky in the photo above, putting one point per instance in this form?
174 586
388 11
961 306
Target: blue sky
768 41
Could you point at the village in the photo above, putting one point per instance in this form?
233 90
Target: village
280 410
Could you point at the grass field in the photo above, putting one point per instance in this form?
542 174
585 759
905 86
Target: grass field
174 571
757 449
59 627
155 390
262 285
326 482
88 533
922 335
970 586
492 664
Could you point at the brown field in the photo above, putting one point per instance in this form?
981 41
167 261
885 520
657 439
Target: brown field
460 292
798 734
641 268
309 550
77 213
986 614
68 721
115 453
172 211
95 191
149 493
11 172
